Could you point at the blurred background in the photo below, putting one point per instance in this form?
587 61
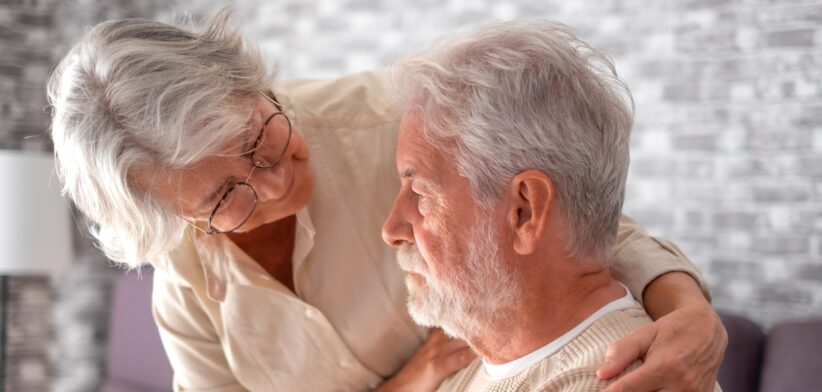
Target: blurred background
726 150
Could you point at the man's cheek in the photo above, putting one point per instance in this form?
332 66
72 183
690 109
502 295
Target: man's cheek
431 253
434 223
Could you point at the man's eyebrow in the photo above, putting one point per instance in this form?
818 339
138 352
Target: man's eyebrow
424 183
408 173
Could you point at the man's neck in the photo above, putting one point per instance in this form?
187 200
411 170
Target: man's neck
547 310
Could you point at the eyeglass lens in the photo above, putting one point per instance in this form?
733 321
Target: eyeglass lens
234 209
273 141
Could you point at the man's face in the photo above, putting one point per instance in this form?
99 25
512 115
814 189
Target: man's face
447 242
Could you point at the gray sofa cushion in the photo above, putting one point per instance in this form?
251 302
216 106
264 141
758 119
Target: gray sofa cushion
136 360
739 371
793 358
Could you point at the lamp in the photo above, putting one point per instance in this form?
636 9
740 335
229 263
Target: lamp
35 231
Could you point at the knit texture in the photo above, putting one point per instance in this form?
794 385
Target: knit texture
572 368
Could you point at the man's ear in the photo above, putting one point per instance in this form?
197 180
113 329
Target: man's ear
532 196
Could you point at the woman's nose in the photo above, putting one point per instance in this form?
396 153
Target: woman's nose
272 183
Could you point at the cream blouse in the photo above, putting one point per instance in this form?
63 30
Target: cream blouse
227 325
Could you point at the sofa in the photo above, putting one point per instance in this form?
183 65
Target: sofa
786 359
135 358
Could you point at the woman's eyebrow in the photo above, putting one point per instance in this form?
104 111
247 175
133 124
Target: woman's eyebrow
217 193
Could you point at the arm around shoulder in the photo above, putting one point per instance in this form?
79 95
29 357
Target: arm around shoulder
641 259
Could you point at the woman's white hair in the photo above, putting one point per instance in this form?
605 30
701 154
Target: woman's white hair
528 95
134 96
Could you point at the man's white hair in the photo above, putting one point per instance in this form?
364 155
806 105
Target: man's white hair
135 96
528 95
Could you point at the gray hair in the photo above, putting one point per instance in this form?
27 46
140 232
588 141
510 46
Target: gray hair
136 95
528 95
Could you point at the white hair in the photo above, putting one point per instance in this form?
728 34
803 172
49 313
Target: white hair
528 95
135 96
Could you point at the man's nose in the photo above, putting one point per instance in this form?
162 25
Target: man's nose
397 230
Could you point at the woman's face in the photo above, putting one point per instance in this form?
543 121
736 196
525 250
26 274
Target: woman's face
281 190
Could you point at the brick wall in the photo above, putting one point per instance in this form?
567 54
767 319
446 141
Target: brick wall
26 31
56 329
727 148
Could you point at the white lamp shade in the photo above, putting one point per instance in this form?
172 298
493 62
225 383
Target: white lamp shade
35 231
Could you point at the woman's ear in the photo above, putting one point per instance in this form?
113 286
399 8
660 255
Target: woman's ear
532 195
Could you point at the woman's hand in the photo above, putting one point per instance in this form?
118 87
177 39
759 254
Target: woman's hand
438 358
681 350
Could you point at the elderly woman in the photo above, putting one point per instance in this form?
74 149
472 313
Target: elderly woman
260 205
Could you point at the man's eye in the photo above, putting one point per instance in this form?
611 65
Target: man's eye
416 194
424 204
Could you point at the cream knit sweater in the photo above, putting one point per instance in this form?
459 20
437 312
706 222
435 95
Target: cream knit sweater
571 368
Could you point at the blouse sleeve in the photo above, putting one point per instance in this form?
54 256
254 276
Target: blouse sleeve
641 258
189 339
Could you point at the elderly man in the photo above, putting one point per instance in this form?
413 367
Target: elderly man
513 154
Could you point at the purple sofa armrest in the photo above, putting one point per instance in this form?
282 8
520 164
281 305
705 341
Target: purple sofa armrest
793 358
740 369
136 360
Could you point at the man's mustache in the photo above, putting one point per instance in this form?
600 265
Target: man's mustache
409 259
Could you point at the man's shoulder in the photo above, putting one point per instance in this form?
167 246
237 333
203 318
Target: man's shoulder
589 346
574 366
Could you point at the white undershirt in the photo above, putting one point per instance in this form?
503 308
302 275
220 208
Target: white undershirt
508 369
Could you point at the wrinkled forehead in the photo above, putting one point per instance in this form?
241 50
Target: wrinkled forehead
422 157
413 134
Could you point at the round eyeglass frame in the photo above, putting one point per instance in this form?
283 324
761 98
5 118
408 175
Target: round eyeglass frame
254 164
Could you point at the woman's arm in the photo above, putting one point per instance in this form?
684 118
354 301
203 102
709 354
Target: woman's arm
189 339
683 348
640 259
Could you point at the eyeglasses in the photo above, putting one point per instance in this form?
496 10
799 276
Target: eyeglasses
239 200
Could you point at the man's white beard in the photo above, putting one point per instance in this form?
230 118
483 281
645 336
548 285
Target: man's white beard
475 299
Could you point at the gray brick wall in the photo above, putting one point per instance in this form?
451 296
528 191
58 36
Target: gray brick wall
26 32
56 329
726 152
28 366
727 147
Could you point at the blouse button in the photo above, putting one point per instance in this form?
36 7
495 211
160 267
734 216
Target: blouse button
346 363
310 313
